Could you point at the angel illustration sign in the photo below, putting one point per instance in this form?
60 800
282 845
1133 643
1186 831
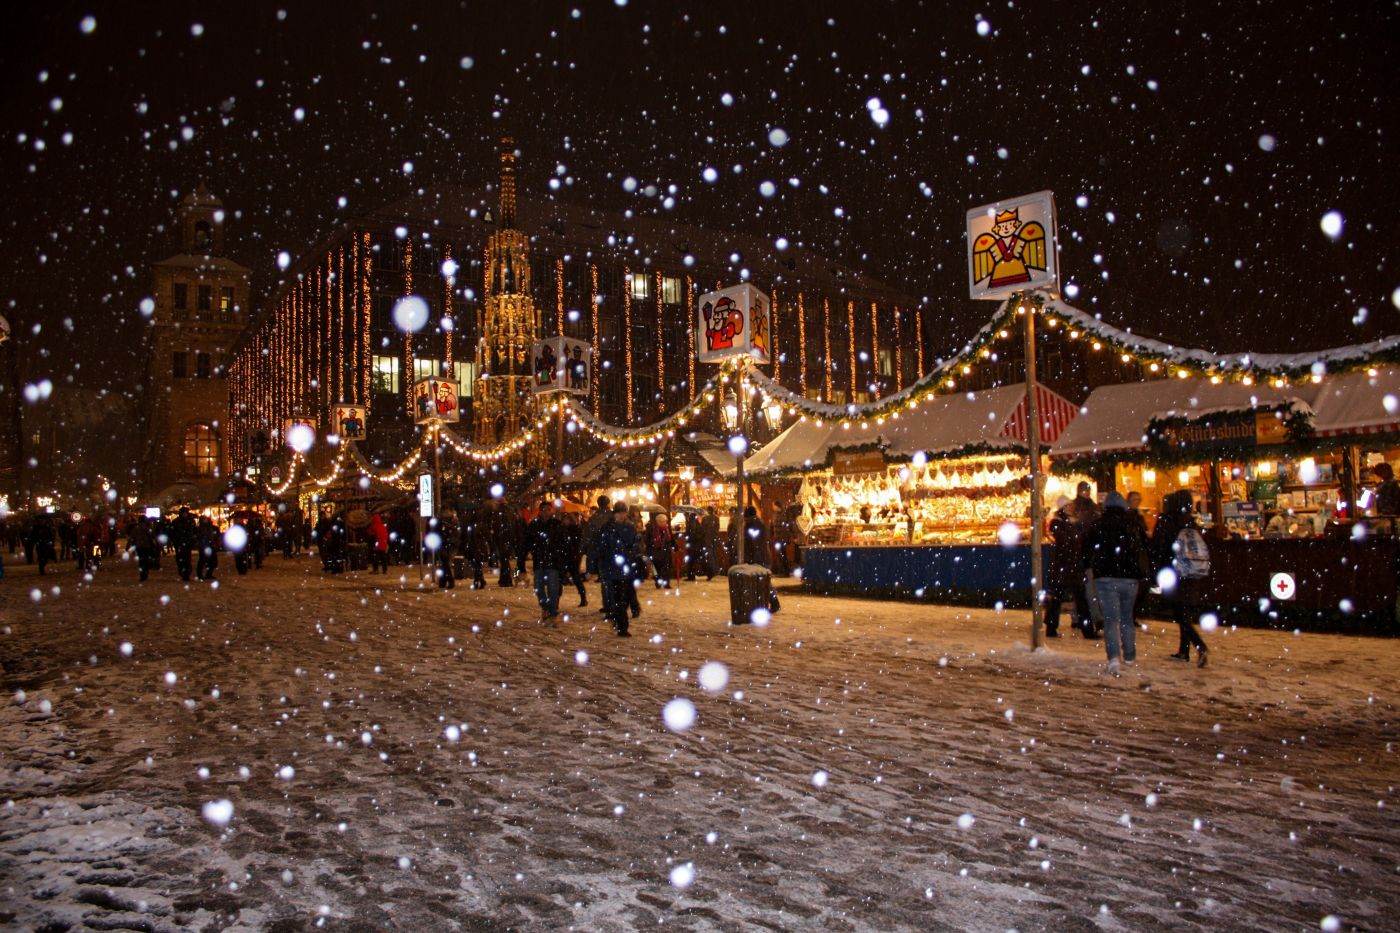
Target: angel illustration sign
733 322
561 364
1011 246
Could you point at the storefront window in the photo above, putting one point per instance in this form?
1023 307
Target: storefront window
671 290
201 450
641 285
386 375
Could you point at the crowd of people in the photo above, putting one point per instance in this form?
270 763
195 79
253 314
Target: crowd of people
1104 559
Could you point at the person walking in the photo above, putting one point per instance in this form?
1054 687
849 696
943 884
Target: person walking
142 540
476 544
1114 551
600 517
243 557
183 535
614 552
756 550
445 526
378 544
572 535
1064 578
207 541
708 544
660 546
502 546
1179 546
544 539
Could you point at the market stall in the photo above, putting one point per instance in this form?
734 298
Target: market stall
687 469
934 500
1270 466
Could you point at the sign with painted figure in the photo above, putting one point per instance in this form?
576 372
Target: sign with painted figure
734 321
435 399
561 364
349 422
1011 246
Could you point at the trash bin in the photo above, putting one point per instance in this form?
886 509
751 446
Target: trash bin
750 587
358 556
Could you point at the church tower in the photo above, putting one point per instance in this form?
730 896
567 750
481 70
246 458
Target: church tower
201 306
503 405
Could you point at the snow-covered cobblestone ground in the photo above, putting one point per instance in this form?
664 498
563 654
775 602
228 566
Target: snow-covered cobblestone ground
396 757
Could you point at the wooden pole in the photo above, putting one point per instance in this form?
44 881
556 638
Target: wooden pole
740 537
1028 306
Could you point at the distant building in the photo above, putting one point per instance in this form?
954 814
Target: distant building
201 301
501 273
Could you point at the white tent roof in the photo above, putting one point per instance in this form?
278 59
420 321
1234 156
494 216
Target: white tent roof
941 424
1115 418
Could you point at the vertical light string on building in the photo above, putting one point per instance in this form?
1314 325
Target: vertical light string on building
827 363
596 387
366 308
408 373
323 287
851 343
627 338
690 336
449 335
340 323
355 361
875 349
559 297
773 339
919 341
660 344
898 351
294 306
802 345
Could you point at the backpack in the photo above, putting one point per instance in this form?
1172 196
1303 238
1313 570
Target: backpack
1191 556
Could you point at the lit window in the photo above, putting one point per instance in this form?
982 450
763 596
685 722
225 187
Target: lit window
226 302
641 285
201 450
671 290
886 362
425 368
466 378
386 374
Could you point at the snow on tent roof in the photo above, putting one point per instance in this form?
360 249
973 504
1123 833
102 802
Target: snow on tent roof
942 424
1115 418
1356 403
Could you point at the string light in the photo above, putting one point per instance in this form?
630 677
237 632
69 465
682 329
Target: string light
874 344
559 296
660 346
366 309
449 336
802 344
627 337
690 325
408 372
595 383
826 349
898 351
773 338
851 341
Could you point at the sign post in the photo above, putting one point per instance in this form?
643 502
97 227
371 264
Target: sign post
560 366
1012 254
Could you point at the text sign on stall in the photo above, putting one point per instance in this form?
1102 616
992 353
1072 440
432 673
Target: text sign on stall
425 495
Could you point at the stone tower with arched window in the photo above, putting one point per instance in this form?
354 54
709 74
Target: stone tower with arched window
200 302
503 405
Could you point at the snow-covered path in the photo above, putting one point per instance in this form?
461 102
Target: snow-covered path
968 784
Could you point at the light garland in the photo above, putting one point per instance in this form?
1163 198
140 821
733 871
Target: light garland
690 324
773 338
898 352
660 346
851 341
802 344
595 381
366 310
826 349
408 373
919 326
559 296
651 434
627 338
874 344
448 336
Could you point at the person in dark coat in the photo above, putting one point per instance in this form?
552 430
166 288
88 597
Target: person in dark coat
706 559
600 517
572 534
41 536
544 539
324 546
1114 551
243 558
1064 578
614 551
183 535
445 526
756 549
207 542
1185 595
143 541
476 544
502 541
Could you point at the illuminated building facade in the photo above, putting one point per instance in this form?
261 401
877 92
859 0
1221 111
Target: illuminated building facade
503 271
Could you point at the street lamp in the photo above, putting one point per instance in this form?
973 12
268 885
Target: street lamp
773 413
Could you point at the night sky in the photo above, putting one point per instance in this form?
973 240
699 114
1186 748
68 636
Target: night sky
1194 150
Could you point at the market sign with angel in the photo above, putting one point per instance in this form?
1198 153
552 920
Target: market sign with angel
1011 246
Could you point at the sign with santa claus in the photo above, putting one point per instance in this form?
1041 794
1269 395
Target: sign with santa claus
1011 246
561 364
733 322
435 399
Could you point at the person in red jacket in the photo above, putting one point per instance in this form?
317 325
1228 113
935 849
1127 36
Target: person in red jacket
379 539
